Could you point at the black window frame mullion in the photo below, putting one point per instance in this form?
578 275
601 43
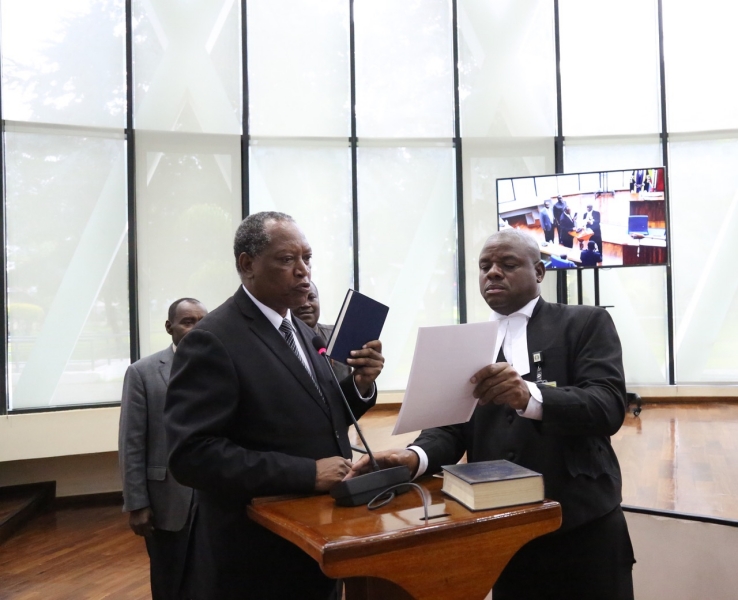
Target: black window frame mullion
354 142
245 137
460 231
130 136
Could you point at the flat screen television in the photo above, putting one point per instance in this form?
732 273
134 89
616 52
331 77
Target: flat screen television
594 219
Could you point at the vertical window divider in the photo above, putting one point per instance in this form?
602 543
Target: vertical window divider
665 157
353 141
3 266
562 292
245 138
460 237
131 179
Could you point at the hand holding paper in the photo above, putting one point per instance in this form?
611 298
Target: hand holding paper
439 390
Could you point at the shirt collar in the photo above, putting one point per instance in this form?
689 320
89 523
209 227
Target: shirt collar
274 317
527 311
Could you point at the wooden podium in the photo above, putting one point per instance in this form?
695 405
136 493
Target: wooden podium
390 553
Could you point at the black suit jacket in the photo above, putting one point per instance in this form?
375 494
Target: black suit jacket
244 419
571 445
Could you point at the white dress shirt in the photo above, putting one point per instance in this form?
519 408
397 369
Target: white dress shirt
276 319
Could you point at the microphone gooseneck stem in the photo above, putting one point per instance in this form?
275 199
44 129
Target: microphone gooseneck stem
375 465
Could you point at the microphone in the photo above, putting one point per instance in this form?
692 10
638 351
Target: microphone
363 488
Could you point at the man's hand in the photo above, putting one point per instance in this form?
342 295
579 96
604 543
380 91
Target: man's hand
141 521
367 363
501 384
329 471
401 457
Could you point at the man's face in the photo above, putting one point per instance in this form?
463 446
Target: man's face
547 203
280 276
589 208
310 311
508 274
186 316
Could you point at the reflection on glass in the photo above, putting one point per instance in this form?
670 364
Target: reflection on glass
67 269
404 68
637 298
299 68
313 185
187 66
701 79
188 207
703 188
507 71
609 67
484 162
407 237
64 62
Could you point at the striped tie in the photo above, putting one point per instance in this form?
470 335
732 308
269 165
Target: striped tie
286 329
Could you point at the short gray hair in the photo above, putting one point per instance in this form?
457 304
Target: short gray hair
251 235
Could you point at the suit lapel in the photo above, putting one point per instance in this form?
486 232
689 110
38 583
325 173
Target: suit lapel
273 340
165 364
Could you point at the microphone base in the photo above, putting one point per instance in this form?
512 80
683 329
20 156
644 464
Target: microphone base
360 490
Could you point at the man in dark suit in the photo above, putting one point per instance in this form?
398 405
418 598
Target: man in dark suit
566 226
252 410
591 220
550 403
558 210
309 313
159 508
590 257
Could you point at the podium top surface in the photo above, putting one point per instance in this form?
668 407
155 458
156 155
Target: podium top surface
331 533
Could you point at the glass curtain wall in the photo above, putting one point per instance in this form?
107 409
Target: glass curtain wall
350 114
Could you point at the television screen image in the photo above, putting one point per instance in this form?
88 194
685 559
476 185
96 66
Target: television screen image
605 218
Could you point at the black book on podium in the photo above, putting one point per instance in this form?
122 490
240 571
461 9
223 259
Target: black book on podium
360 321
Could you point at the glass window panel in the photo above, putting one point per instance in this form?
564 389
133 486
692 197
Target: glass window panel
637 297
547 187
404 68
703 186
299 74
68 340
407 233
700 47
568 184
525 189
507 69
313 185
505 191
188 207
484 162
64 62
607 153
187 66
609 67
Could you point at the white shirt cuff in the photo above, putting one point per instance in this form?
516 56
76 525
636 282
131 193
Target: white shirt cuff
372 391
534 410
422 460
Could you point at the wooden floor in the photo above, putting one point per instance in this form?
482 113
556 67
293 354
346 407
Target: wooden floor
674 457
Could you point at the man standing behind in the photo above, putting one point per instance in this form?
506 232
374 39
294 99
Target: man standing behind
158 506
591 220
547 222
252 410
550 403
309 313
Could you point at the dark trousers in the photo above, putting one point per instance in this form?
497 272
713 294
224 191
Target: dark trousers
549 234
590 562
167 553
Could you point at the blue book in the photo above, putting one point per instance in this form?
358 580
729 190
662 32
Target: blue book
360 321
492 484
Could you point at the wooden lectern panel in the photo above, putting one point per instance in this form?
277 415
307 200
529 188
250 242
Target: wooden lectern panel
458 554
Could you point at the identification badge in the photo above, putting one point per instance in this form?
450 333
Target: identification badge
549 383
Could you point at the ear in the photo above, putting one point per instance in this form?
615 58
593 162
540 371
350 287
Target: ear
540 271
168 327
246 264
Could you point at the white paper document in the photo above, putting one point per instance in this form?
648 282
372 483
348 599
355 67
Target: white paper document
439 391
